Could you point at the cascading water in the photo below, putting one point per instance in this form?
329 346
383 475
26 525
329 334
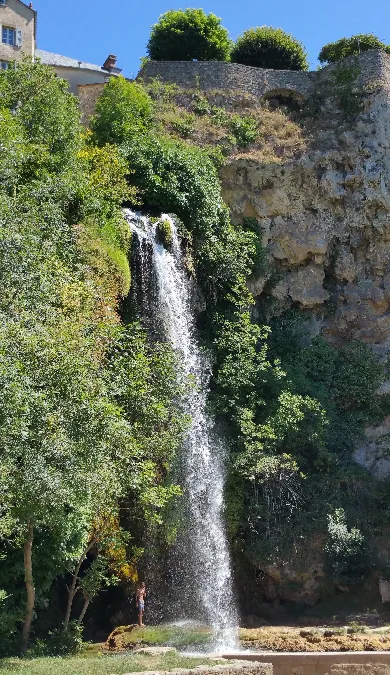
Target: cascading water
201 556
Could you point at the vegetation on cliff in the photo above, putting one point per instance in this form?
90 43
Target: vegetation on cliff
293 407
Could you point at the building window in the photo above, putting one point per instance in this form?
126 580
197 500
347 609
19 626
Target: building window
4 65
9 36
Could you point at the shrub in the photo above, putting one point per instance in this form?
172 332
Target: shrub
184 125
189 35
9 619
244 129
60 642
267 47
334 51
122 108
164 233
346 550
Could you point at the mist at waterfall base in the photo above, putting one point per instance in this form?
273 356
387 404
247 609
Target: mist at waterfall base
200 587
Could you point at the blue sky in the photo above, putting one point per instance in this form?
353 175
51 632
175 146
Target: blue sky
90 29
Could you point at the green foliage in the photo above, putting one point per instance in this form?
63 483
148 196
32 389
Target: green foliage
185 35
350 97
99 664
60 643
123 108
244 129
164 232
181 637
334 51
71 447
184 125
267 47
344 380
9 620
295 407
160 91
44 108
201 105
346 551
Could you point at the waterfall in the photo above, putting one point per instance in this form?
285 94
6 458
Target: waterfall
201 555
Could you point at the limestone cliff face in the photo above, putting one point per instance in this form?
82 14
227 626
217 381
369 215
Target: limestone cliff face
325 223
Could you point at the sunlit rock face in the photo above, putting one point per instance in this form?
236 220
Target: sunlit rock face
325 215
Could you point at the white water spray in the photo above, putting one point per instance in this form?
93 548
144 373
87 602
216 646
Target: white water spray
205 563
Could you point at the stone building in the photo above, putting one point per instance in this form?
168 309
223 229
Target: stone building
18 31
79 73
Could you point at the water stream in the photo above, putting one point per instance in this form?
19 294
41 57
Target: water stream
201 557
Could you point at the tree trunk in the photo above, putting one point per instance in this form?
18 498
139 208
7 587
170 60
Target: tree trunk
73 589
29 580
85 607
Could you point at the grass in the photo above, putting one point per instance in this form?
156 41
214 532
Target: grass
98 664
180 637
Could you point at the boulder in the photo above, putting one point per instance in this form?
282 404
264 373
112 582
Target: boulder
154 651
305 286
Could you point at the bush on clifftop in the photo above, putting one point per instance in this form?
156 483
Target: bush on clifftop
267 47
189 35
352 46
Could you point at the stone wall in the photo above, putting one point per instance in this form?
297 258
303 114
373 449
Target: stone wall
324 663
88 95
373 66
249 668
206 75
369 669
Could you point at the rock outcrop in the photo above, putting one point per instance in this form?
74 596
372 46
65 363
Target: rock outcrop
324 219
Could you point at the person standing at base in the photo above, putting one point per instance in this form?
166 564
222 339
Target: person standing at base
140 602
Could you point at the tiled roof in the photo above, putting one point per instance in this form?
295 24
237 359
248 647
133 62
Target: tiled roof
57 60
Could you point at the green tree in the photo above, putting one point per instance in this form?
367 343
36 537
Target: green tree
187 35
122 108
267 47
70 447
352 46
57 429
42 104
346 550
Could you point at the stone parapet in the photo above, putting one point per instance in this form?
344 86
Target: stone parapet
373 67
243 668
324 663
208 75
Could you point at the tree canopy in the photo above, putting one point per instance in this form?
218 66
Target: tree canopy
352 46
266 47
187 35
81 427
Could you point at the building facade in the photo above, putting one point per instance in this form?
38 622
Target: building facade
78 73
18 23
18 30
